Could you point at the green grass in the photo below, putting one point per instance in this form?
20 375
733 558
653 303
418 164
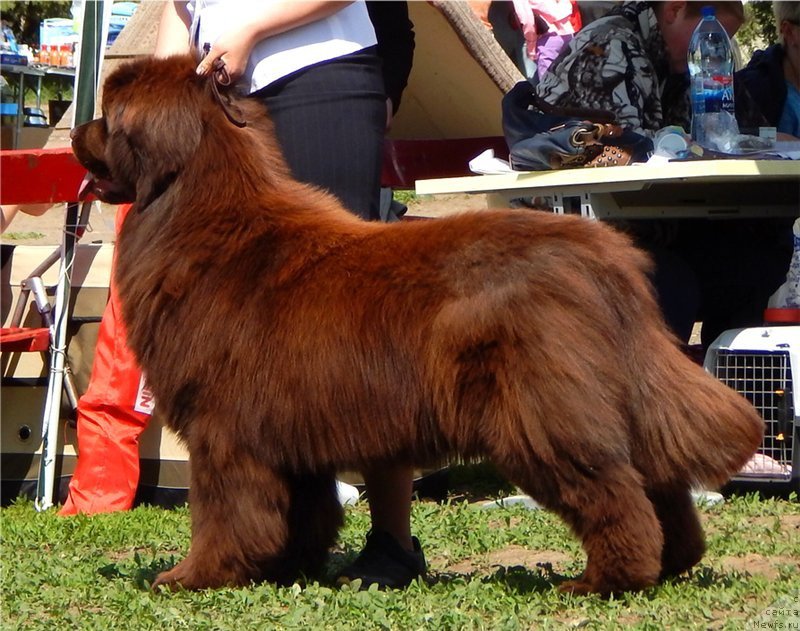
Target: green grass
405 196
489 569
19 236
52 89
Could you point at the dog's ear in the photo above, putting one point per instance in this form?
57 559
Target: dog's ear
151 186
159 145
89 142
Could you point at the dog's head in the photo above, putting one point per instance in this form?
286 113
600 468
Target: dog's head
155 112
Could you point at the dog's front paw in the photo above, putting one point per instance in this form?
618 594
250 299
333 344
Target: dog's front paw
603 586
180 577
172 580
579 587
193 574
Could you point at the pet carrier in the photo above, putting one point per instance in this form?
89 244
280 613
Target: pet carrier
762 364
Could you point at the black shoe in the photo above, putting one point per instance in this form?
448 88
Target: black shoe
385 562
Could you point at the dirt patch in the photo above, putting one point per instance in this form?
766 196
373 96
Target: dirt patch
116 556
789 524
442 205
517 555
755 565
48 229
511 556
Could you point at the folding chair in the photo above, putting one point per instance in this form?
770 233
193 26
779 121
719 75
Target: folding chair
53 176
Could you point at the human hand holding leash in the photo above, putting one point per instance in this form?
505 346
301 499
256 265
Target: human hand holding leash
231 50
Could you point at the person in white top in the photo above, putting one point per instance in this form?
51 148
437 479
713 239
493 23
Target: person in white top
232 26
311 63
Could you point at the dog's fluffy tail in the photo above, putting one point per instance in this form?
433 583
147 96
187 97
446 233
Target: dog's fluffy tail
692 428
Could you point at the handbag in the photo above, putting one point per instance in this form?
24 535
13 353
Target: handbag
542 137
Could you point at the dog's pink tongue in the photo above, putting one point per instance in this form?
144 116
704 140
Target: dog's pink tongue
86 187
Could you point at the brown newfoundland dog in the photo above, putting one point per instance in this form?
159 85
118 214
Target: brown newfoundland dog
285 339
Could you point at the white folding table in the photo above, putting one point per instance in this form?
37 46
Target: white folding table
701 188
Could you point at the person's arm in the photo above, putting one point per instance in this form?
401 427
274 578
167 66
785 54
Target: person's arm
395 34
173 29
7 213
234 47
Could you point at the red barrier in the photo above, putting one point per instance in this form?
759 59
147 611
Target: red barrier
29 176
22 340
405 161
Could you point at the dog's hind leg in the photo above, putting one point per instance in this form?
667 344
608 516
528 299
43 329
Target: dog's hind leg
608 510
618 526
619 529
239 511
314 519
684 543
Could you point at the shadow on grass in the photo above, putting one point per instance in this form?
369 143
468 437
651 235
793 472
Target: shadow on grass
142 573
517 578
478 481
705 577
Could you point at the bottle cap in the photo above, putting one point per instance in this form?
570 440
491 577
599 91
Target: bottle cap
782 316
708 11
770 133
671 144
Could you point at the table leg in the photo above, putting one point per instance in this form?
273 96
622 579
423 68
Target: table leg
586 206
558 203
20 111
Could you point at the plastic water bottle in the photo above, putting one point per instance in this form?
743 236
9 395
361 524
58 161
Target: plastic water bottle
710 58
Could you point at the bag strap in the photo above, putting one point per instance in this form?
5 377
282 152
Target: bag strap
595 116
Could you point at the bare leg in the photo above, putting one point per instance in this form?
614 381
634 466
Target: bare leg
389 490
391 557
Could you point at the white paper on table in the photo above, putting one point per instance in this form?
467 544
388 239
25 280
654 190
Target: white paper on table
487 164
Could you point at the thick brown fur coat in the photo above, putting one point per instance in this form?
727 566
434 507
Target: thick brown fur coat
285 339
